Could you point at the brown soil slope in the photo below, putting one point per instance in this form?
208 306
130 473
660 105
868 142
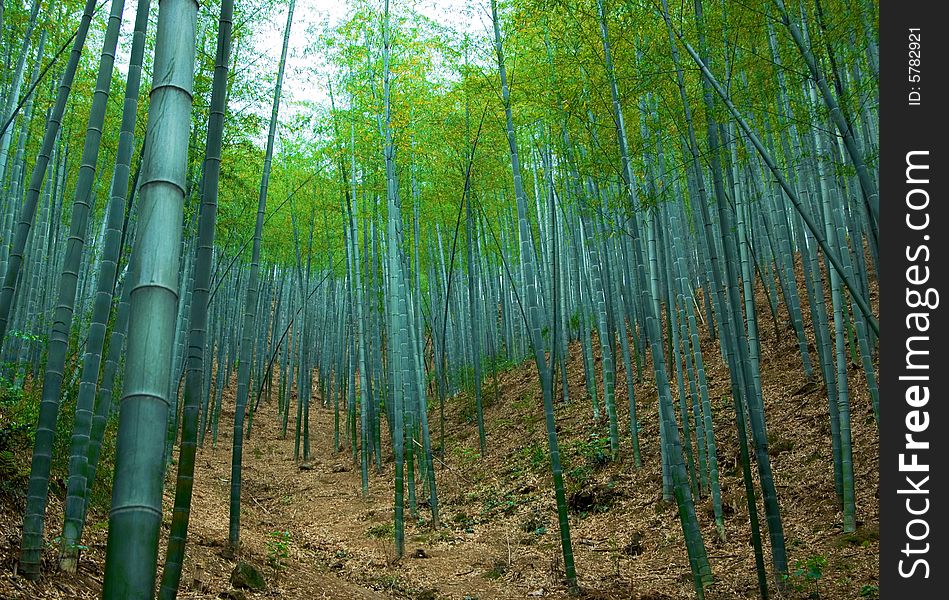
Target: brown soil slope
498 537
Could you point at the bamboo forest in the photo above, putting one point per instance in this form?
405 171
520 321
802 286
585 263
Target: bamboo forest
439 299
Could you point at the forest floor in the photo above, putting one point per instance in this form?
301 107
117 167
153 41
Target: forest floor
498 536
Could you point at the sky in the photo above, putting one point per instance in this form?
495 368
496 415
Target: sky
310 15
300 84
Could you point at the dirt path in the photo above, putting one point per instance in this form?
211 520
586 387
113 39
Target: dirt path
276 497
331 551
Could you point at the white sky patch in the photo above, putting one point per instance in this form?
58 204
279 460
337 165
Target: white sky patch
301 84
306 75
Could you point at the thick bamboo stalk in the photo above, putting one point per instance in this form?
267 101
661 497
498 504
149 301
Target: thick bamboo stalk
135 517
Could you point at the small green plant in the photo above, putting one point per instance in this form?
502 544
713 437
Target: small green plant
384 532
535 454
18 414
594 450
463 521
278 550
807 574
870 591
494 502
498 570
30 337
580 475
466 457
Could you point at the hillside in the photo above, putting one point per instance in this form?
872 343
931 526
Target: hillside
497 538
